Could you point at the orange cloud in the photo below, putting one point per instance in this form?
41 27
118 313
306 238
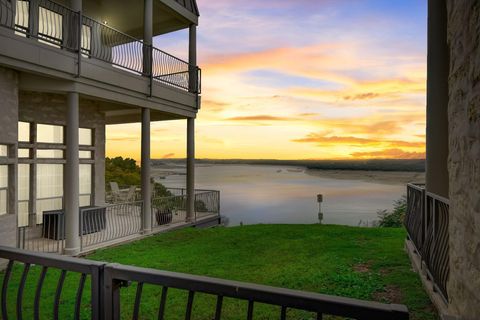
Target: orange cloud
259 118
362 96
323 140
168 156
389 154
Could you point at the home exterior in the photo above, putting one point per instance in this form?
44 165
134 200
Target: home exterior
68 69
443 217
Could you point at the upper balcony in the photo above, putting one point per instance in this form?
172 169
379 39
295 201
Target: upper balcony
58 48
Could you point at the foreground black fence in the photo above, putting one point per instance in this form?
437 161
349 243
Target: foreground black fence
107 281
426 221
57 25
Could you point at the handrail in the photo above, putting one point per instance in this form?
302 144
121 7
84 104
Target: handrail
115 275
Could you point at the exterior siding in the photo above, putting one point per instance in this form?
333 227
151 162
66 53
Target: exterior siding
464 159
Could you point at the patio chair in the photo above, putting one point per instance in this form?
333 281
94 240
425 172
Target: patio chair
116 194
130 196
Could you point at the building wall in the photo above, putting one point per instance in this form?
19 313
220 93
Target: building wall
54 111
8 135
464 158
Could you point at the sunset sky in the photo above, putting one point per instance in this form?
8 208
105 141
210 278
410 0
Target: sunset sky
300 79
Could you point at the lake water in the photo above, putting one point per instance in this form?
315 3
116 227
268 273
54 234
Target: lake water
252 194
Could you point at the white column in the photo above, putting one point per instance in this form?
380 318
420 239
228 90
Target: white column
71 177
437 99
146 186
190 169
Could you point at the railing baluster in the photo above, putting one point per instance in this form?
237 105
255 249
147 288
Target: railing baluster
250 310
319 316
218 310
188 313
6 279
138 298
78 300
58 294
163 300
21 287
283 313
38 293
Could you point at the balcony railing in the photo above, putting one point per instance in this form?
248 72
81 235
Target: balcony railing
426 221
108 281
114 222
59 26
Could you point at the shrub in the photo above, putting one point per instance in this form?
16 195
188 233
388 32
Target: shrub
393 219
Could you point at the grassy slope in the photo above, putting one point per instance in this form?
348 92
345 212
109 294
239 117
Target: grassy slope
355 262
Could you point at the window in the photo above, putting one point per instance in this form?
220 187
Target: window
85 185
24 153
50 154
24 132
3 189
85 137
86 40
21 17
49 188
50 27
87 155
23 194
47 133
3 151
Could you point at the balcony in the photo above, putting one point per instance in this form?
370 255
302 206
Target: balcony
55 41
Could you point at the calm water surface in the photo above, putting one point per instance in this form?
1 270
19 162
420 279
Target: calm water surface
252 194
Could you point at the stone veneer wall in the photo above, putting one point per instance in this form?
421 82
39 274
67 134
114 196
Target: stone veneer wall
8 135
464 159
53 111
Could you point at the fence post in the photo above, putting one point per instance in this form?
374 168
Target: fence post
111 294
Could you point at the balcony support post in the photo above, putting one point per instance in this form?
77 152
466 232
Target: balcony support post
437 99
190 169
147 37
192 59
71 177
145 164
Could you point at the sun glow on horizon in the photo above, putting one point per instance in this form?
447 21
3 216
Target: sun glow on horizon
300 80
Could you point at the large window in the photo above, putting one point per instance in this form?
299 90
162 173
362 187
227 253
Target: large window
49 151
3 189
23 194
49 188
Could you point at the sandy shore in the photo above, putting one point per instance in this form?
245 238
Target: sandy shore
385 177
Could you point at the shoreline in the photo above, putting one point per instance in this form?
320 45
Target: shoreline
383 177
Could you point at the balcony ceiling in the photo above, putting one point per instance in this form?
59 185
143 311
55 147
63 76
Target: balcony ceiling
127 16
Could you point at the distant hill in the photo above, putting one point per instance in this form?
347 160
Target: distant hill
413 165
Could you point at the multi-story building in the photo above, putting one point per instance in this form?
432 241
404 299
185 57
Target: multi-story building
68 69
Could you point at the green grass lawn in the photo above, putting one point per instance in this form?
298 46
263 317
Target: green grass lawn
363 263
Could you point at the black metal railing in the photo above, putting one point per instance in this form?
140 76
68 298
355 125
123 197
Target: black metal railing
427 221
59 26
89 271
109 280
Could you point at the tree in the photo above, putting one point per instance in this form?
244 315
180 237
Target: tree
393 219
